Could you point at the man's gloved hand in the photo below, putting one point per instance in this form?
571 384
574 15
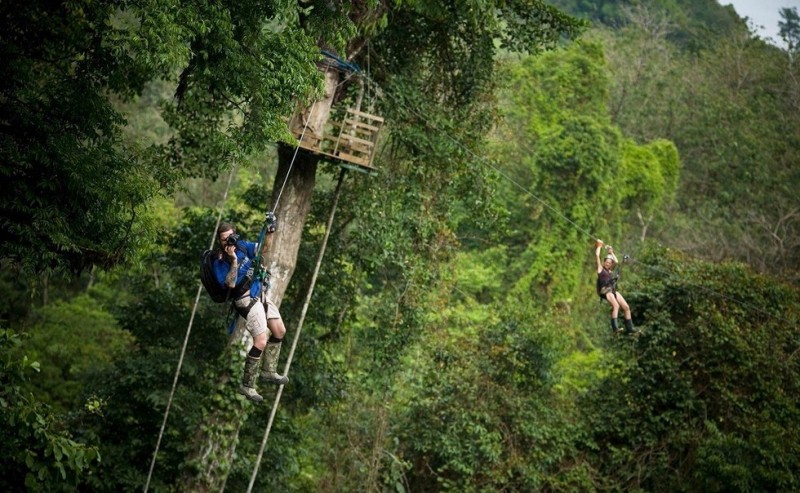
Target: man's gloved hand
272 222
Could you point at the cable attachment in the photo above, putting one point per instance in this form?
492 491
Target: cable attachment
261 275
271 222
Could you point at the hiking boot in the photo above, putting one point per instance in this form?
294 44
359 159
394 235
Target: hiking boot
629 328
251 393
615 329
270 372
275 378
247 388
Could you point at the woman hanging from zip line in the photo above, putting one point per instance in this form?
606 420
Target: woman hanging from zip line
607 288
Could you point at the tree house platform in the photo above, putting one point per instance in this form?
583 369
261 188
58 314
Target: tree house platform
351 141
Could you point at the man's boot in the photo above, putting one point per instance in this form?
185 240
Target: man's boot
614 326
629 328
270 371
248 388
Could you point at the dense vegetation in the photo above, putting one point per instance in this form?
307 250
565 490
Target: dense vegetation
454 340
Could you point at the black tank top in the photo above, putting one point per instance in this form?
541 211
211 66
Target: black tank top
604 278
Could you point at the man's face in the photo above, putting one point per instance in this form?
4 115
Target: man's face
223 236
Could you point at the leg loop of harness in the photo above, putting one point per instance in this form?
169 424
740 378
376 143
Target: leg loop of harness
243 311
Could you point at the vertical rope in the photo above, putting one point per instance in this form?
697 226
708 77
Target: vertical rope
297 149
186 338
299 328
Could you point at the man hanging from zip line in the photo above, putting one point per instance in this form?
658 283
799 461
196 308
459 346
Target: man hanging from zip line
234 268
607 289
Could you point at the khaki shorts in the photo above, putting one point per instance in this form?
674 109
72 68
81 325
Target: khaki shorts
256 322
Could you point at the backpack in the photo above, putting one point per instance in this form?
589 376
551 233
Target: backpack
218 293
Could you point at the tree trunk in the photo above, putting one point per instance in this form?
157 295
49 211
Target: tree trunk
294 184
294 203
291 195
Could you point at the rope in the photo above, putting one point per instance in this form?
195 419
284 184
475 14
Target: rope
186 338
291 163
299 327
486 161
302 134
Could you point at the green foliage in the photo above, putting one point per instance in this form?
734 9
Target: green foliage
582 174
697 22
476 410
70 340
650 175
77 187
136 389
703 400
39 454
732 116
238 86
80 184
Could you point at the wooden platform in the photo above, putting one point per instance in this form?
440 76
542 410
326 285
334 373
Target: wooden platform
352 141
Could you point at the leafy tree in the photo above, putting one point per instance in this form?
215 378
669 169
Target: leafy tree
583 176
72 339
477 410
80 185
728 109
39 454
789 28
696 23
702 400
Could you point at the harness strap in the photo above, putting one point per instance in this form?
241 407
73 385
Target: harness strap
243 311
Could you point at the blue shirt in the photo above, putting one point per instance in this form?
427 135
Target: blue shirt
245 252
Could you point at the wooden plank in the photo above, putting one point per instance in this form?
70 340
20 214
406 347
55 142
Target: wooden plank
356 123
352 139
374 118
352 145
361 148
352 158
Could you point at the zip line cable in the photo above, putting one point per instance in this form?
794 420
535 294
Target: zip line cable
186 338
302 134
552 209
200 290
490 164
303 312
